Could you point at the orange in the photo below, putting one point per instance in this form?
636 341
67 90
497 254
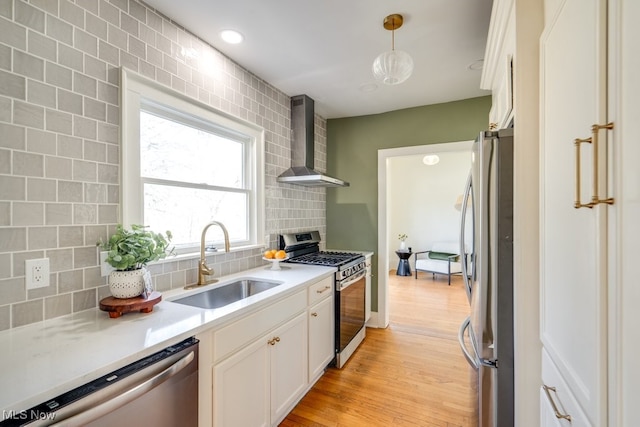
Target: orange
281 255
268 254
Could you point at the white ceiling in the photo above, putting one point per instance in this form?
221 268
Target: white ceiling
325 48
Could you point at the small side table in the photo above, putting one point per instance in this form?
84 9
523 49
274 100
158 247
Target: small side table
404 269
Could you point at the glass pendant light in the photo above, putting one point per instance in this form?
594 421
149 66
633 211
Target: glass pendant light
395 66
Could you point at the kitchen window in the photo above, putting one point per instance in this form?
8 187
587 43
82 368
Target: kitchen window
185 164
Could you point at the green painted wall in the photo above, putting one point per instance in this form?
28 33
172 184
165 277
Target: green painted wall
352 155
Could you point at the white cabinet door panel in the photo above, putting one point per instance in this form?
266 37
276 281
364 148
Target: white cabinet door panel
241 388
288 365
573 241
321 337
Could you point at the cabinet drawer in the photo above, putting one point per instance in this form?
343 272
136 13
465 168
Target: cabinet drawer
231 338
562 398
321 290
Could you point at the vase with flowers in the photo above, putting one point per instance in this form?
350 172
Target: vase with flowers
402 237
129 251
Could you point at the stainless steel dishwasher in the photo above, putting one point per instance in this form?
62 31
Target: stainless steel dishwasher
160 390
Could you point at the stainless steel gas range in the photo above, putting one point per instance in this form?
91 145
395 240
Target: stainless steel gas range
350 287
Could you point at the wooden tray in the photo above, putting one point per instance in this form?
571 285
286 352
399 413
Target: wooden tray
116 307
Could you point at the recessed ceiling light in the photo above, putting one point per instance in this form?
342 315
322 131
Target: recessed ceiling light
430 159
231 36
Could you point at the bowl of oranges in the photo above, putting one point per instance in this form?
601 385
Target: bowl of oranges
274 256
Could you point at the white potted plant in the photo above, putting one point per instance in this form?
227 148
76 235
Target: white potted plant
129 252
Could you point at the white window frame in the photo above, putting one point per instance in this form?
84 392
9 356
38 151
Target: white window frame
137 91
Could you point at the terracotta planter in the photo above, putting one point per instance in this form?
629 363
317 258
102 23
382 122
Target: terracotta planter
127 284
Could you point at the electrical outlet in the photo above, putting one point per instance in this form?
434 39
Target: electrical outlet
105 268
37 273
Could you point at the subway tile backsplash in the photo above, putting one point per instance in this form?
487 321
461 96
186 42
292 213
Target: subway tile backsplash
59 143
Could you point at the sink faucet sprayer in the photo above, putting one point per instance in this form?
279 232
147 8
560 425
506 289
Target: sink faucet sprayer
203 268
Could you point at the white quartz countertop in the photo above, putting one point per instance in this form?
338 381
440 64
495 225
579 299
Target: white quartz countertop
43 360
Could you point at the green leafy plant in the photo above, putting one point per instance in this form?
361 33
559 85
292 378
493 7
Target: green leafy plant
134 248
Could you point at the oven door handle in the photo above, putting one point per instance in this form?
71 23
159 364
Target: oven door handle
359 275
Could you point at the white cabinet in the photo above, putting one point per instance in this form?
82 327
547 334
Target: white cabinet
241 387
497 72
321 330
584 83
321 337
264 362
573 241
258 385
288 357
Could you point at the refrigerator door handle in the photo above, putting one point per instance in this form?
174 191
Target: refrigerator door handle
473 361
463 217
489 363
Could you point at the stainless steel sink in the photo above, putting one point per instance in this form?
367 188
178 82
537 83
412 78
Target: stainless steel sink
228 293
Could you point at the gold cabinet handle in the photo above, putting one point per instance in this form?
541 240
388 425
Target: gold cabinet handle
273 341
558 414
595 199
314 314
578 204
326 288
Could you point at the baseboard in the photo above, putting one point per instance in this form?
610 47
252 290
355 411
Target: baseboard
373 321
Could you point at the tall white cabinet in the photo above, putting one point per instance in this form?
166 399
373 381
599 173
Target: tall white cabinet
583 286
574 240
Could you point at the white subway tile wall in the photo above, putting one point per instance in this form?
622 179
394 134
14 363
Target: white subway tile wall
60 150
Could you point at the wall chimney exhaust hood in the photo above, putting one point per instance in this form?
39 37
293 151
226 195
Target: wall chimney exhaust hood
302 170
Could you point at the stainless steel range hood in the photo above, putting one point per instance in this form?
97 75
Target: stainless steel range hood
302 170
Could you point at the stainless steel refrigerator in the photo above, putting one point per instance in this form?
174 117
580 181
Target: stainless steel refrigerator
488 212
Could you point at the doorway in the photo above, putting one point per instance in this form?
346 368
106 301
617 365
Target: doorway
385 245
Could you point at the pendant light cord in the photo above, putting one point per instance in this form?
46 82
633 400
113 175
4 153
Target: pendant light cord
393 34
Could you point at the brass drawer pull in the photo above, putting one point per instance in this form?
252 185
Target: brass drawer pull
558 414
273 341
595 199
314 314
326 288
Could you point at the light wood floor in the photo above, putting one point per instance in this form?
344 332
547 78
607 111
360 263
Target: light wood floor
409 374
